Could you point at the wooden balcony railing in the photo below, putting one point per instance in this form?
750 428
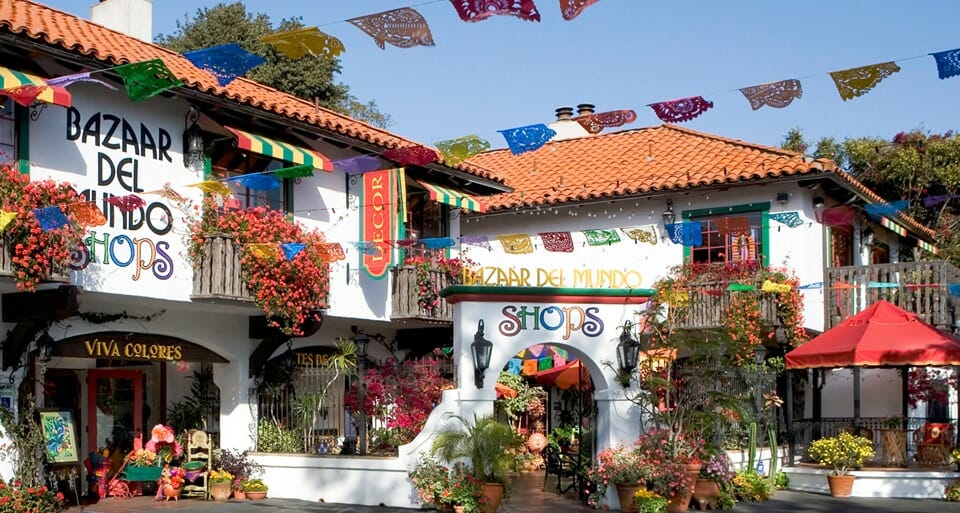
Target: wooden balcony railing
918 287
6 265
708 303
405 295
218 276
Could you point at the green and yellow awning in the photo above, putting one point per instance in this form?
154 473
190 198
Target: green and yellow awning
281 150
452 197
11 79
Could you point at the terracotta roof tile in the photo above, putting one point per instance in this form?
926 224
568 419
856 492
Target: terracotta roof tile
53 27
647 160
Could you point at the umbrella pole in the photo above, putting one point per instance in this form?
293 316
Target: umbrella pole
904 395
856 400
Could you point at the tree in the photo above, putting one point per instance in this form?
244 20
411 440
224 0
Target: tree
911 166
310 77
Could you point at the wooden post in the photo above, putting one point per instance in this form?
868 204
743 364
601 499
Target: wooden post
904 395
856 400
817 403
788 418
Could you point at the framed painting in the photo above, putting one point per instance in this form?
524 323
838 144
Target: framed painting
60 436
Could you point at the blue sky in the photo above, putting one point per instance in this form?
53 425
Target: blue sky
624 54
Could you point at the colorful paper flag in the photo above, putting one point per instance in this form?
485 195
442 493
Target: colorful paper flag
168 193
301 171
256 181
476 240
595 123
50 218
740 287
146 79
297 43
358 164
948 63
775 94
516 244
686 233
127 203
882 285
87 214
67 80
224 62
810 286
557 242
683 109
601 237
479 10
638 235
769 286
930 201
527 138
570 9
412 155
24 95
333 252
403 28
212 187
457 150
5 219
880 209
263 251
514 365
291 249
733 225
791 219
855 82
836 216
437 242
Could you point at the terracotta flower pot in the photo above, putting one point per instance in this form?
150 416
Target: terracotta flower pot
681 502
840 486
220 491
239 495
492 496
256 496
458 509
705 492
625 494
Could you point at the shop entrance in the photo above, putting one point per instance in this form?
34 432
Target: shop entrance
115 405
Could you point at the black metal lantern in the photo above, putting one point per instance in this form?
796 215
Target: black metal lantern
482 349
193 155
628 352
867 236
669 217
361 340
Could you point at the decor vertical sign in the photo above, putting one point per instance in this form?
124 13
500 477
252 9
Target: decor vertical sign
381 198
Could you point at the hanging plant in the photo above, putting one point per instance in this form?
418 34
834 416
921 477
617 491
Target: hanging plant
428 291
289 291
742 323
37 254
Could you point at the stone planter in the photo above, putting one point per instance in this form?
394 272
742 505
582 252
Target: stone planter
220 491
840 486
625 494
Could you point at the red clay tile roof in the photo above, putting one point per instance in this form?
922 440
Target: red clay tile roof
53 27
648 160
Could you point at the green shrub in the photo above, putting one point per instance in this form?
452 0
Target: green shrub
952 493
271 437
750 487
725 500
780 481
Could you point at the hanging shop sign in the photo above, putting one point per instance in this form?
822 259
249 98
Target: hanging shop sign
118 345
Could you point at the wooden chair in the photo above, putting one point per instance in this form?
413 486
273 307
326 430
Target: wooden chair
934 441
196 468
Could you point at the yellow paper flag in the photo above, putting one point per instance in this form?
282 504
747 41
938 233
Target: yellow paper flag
212 187
6 218
769 286
263 250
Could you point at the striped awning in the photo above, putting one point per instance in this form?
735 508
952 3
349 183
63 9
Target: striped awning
281 150
452 197
926 246
892 226
11 78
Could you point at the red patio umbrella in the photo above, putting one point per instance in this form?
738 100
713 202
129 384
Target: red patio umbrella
566 376
881 335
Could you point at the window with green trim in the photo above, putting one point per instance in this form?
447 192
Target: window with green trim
730 248
8 132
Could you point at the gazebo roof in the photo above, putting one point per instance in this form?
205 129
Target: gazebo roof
883 335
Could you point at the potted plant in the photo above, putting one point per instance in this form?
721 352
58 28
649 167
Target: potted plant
489 445
239 466
143 465
447 488
675 461
716 475
648 501
622 467
221 484
254 489
842 453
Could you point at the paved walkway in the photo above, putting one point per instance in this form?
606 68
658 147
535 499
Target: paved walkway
528 497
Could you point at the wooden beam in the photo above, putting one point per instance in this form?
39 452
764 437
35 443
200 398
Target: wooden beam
41 305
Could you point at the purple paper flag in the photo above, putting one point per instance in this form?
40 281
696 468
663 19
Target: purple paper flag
476 240
358 164
66 80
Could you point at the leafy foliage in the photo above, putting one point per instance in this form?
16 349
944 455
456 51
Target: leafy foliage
445 487
25 444
309 77
236 464
842 452
486 442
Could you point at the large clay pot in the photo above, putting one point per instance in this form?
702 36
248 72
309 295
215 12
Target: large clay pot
220 491
705 492
840 486
681 502
256 496
625 494
492 496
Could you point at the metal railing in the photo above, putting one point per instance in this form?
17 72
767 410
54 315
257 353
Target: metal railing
805 431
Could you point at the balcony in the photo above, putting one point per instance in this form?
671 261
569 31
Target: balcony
6 266
217 277
405 295
918 287
708 303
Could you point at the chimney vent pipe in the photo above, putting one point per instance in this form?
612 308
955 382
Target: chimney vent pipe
585 109
564 113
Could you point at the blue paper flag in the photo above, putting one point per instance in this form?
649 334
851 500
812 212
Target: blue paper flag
291 249
256 181
884 209
948 63
514 366
953 289
882 285
225 62
50 218
815 285
437 242
358 164
527 138
686 233
791 219
365 247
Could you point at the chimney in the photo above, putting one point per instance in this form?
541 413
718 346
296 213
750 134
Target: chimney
585 109
132 17
564 113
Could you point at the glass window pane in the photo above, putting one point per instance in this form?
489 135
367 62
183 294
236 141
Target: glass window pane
8 126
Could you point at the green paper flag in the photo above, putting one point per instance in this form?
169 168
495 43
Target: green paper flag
146 79
295 171
740 287
601 237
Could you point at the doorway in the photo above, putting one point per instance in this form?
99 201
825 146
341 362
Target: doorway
115 409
